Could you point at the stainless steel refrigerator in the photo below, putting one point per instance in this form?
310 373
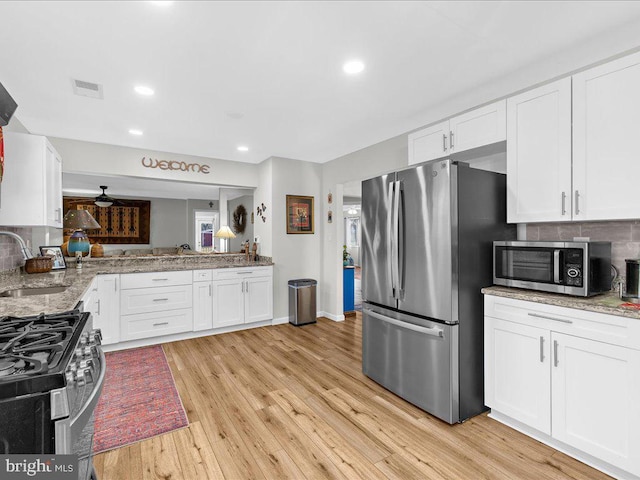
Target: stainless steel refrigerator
427 236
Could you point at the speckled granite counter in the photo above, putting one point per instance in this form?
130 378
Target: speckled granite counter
78 280
608 303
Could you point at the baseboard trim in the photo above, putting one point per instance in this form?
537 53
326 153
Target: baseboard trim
280 321
335 318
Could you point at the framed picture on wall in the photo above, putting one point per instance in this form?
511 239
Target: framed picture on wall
299 214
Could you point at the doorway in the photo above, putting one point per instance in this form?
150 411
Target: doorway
351 209
206 225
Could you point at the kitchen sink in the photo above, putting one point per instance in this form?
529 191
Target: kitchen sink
23 292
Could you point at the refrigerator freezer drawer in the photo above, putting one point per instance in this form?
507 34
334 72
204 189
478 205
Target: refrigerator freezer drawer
414 359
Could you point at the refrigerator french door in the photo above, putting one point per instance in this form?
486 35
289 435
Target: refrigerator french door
427 236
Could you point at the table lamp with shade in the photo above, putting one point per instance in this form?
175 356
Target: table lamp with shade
225 233
79 220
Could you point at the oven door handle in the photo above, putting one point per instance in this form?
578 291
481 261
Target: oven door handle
68 429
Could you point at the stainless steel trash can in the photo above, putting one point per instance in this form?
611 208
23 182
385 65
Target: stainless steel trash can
302 301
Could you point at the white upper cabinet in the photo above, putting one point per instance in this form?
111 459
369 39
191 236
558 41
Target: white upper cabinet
606 141
482 126
32 184
539 154
588 171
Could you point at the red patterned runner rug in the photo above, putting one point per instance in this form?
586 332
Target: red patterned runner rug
139 399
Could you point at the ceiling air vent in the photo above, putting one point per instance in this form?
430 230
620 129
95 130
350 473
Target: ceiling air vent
87 89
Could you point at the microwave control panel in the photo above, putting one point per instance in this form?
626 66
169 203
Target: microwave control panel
573 267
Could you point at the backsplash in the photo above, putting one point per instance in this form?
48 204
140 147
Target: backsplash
10 254
623 235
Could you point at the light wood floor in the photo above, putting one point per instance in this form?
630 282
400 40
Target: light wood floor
291 402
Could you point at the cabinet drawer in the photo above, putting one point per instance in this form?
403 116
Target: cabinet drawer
600 327
155 279
202 275
239 273
154 324
143 300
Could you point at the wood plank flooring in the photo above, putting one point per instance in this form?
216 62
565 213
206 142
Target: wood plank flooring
292 402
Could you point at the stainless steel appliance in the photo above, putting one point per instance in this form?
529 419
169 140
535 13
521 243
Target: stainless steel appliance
571 268
51 374
427 236
632 293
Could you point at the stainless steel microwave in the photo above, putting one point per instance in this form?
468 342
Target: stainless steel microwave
571 268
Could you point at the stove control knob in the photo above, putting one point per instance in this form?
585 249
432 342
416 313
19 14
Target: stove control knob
88 376
71 378
81 381
85 364
96 334
88 351
73 366
84 339
77 353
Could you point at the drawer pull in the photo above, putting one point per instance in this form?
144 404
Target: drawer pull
555 353
541 349
160 324
159 279
537 315
160 299
244 273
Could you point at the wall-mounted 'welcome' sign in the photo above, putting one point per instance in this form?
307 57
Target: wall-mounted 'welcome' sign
175 165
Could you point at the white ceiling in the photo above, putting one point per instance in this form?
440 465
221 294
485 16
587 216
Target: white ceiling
269 74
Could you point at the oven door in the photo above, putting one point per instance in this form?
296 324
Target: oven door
74 434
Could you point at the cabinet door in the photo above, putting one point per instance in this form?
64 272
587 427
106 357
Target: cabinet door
606 122
517 377
53 197
482 126
595 400
430 143
258 299
107 315
228 302
202 306
539 154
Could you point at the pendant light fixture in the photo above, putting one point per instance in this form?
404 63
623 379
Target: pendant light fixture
104 200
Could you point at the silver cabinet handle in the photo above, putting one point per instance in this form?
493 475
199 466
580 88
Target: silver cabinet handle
247 287
98 311
577 202
161 323
160 299
159 279
555 353
242 287
541 349
58 214
564 203
434 332
244 273
451 140
444 142
210 292
537 315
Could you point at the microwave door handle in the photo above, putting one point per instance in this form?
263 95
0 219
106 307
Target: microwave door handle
556 266
390 239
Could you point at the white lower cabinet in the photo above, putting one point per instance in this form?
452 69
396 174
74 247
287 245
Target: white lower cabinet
202 306
228 302
567 377
107 312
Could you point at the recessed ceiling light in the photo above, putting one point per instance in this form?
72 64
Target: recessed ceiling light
134 131
161 4
142 90
353 67
242 148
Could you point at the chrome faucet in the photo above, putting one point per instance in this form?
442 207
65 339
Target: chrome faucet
26 253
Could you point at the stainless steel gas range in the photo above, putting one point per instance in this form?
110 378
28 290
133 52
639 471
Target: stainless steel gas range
51 375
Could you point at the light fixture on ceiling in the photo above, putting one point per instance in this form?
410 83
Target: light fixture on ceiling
144 90
353 67
243 148
134 131
352 211
104 200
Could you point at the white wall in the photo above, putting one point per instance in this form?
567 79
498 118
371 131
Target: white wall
263 230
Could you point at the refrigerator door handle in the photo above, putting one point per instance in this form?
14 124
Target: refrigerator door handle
400 240
396 244
434 332
390 238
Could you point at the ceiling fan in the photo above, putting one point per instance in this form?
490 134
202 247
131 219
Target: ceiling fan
104 200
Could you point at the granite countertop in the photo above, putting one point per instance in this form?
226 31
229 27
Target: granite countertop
78 280
608 303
